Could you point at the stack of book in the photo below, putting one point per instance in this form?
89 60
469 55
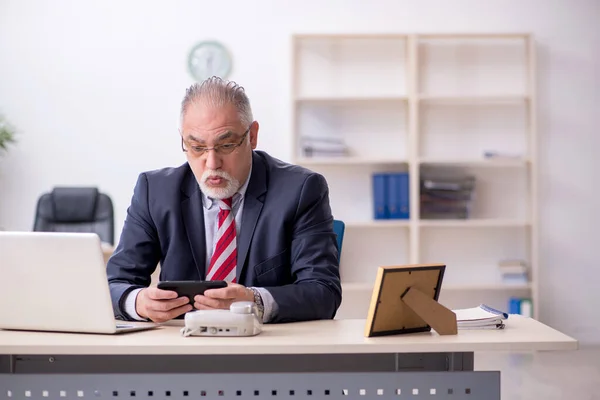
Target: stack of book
482 317
324 147
513 272
446 197
497 155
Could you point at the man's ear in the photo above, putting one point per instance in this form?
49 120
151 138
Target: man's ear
254 134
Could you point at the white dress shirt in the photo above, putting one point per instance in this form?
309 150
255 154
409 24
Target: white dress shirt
211 211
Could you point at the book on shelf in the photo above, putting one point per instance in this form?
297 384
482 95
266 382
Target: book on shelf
498 155
324 147
480 317
390 195
514 272
444 197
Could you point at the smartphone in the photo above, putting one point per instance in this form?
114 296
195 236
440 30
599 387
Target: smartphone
190 288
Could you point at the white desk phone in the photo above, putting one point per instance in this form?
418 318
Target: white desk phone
240 320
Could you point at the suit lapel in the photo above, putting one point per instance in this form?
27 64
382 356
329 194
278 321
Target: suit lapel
193 220
253 204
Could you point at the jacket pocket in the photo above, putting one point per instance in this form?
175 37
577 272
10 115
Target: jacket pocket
270 265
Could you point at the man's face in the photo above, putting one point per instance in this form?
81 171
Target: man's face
221 171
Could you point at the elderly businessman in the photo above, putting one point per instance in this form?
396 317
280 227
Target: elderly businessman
229 213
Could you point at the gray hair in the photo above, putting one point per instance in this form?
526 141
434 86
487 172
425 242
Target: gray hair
216 92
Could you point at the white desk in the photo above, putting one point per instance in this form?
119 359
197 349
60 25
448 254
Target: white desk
317 360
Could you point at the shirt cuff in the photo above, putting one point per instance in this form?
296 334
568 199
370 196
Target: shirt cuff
130 305
269 304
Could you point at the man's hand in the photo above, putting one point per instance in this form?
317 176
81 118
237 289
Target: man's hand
160 305
223 297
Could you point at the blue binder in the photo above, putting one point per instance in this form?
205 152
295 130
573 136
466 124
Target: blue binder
380 186
397 196
514 305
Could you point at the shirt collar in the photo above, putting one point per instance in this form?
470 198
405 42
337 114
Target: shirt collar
208 202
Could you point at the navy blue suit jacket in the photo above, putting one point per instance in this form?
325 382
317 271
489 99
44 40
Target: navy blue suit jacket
286 242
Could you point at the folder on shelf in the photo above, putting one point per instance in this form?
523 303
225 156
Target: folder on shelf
390 195
397 200
379 196
514 305
522 306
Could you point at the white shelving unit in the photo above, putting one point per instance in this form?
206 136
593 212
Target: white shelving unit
414 103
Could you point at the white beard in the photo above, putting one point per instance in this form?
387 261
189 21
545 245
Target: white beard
232 185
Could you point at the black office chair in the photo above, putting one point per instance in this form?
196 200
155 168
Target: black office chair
76 209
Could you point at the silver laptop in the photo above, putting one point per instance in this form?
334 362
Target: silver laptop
56 282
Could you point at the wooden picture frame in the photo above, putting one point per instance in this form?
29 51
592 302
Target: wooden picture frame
405 300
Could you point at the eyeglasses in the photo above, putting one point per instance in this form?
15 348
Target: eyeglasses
223 149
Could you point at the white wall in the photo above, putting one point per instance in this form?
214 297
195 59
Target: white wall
94 88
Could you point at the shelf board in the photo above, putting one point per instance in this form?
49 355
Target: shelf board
349 99
392 223
472 35
497 99
361 36
492 162
485 286
359 286
348 160
472 223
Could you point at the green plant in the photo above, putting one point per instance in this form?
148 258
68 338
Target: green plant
7 134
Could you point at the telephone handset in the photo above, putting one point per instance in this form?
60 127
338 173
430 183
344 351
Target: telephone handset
240 320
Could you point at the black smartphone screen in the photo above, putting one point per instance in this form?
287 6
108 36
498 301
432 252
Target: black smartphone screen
190 288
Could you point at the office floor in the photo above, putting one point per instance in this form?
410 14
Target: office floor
571 375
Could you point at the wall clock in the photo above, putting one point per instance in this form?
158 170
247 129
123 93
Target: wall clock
208 59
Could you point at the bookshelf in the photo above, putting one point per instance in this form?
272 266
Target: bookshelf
424 104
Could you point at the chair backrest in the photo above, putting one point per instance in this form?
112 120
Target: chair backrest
76 209
338 228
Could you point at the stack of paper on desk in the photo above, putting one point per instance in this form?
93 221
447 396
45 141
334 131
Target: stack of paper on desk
482 317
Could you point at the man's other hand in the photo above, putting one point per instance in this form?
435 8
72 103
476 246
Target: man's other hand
214 299
160 305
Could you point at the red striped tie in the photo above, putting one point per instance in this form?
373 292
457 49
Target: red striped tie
224 258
